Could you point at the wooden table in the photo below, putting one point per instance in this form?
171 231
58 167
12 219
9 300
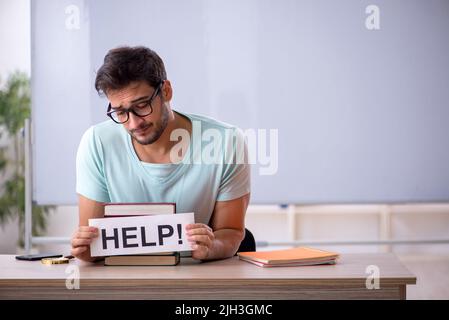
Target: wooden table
224 279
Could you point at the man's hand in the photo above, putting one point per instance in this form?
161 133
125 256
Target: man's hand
88 209
81 241
201 238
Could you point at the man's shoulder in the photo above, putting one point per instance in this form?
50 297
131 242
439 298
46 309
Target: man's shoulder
208 122
230 135
106 127
105 131
103 137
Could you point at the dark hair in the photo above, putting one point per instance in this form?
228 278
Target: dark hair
124 65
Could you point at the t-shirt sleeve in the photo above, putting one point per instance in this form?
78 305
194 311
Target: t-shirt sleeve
236 177
90 178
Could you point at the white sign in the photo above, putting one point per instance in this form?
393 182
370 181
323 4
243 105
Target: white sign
139 235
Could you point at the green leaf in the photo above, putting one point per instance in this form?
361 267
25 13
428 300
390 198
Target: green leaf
15 107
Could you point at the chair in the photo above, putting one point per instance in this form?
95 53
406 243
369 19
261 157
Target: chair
248 243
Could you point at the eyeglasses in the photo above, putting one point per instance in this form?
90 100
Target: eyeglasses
141 109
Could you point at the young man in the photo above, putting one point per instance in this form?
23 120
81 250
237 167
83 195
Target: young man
136 156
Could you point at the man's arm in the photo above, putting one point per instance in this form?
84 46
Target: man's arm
88 209
228 230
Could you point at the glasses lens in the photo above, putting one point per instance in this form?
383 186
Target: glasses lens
143 109
119 116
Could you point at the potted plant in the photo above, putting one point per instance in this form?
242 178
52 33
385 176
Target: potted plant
15 107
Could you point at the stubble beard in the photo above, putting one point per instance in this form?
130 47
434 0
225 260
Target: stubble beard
156 133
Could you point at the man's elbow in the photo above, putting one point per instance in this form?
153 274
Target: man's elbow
240 234
234 235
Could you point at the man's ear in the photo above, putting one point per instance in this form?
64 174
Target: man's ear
167 91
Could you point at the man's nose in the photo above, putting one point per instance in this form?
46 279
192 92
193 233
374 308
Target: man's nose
134 121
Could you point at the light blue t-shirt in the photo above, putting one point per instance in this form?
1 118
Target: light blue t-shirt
109 170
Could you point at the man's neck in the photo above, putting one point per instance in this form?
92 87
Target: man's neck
159 151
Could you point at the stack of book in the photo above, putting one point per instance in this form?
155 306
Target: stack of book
300 256
113 210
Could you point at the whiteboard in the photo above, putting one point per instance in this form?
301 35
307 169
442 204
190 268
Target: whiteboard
362 115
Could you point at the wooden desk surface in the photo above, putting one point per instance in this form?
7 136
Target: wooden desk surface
224 279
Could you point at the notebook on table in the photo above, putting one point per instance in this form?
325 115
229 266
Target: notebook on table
300 256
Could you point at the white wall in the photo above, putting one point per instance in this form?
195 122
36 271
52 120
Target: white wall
407 222
14 36
356 223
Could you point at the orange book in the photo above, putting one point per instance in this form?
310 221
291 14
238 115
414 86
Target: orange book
294 256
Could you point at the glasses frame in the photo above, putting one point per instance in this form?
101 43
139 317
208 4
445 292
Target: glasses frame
149 102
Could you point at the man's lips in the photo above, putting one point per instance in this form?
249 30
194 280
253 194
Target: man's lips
142 130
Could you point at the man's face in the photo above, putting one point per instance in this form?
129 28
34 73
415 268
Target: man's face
144 130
